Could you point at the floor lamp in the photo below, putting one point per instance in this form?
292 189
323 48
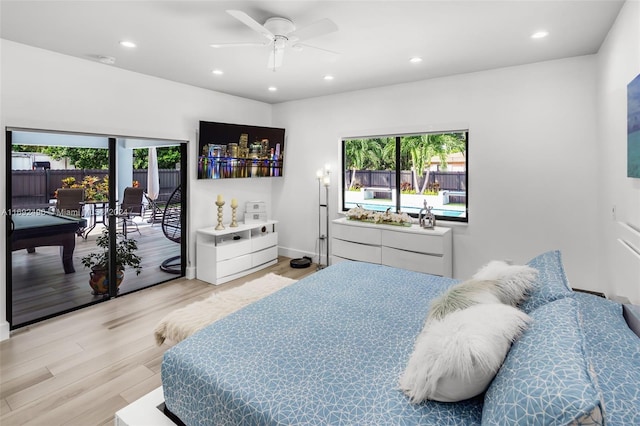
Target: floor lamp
323 180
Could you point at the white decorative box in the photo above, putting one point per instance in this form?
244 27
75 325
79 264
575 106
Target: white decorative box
255 217
256 207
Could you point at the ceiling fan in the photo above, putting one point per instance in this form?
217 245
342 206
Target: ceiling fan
280 33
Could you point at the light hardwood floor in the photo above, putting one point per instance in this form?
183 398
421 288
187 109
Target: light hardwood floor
82 367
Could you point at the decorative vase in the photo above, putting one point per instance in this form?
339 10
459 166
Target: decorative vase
99 280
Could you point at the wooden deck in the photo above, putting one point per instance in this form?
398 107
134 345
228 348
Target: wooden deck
40 288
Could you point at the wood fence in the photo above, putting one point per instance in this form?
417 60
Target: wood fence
34 188
450 181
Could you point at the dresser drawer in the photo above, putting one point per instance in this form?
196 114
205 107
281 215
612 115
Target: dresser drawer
357 234
413 261
262 241
420 243
263 256
231 249
356 251
233 266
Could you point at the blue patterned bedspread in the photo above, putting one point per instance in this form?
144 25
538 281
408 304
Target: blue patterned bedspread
328 349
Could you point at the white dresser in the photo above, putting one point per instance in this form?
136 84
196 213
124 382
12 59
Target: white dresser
231 253
412 248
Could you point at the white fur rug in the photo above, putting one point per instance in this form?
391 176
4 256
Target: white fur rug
183 322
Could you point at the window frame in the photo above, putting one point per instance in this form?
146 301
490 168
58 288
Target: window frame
398 138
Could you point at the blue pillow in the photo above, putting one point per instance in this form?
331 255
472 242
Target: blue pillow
545 378
614 351
551 283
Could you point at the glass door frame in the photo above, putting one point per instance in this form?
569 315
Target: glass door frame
184 149
112 225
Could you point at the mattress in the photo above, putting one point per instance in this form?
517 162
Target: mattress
328 349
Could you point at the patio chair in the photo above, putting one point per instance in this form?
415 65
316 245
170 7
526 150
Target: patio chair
155 210
69 201
172 229
130 207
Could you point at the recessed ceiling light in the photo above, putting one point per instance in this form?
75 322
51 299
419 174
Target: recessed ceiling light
540 34
217 72
328 77
415 60
272 88
127 43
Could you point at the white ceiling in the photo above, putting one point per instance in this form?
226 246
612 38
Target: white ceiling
375 39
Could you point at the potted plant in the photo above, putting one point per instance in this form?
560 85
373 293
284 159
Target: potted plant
98 262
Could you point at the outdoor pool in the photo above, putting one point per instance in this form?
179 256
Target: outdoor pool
383 207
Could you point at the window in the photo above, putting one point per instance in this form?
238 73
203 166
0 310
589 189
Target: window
402 172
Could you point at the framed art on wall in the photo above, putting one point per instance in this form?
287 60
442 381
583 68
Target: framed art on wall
239 151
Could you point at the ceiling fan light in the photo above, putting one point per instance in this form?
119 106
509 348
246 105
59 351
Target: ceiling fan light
272 88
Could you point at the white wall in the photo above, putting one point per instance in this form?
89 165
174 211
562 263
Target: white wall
533 167
618 64
46 90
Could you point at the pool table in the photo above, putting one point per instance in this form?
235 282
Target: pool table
42 228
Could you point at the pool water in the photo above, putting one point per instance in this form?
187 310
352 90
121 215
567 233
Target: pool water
382 208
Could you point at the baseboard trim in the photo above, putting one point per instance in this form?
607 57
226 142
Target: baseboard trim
190 273
294 254
5 331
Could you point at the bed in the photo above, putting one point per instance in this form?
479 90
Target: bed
330 348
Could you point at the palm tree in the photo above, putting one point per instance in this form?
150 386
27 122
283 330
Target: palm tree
388 153
422 148
362 154
443 144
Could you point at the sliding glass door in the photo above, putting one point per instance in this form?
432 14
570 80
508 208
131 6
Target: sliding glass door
85 219
149 187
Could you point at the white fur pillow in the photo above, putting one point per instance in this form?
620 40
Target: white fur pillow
462 296
514 281
496 282
457 357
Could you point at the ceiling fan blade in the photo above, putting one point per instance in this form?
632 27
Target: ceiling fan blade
301 46
275 59
251 23
316 29
248 44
